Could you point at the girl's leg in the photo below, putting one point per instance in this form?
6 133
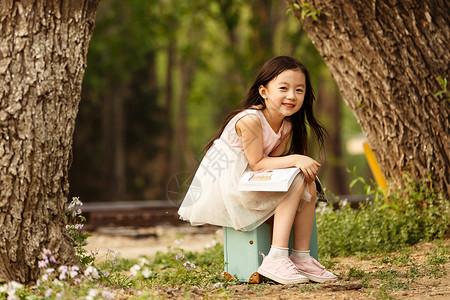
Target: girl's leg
277 265
303 225
285 213
304 222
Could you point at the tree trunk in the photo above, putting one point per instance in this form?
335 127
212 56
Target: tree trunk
385 57
162 167
264 22
113 146
43 46
182 157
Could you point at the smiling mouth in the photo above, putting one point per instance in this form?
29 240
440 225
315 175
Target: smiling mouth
288 105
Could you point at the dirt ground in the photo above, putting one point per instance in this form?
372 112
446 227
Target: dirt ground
134 243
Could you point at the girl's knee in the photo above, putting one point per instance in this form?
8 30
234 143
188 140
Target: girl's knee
312 191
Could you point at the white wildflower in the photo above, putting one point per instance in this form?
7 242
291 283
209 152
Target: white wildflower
93 272
143 261
146 272
49 271
75 202
73 271
11 289
57 282
48 293
108 295
42 264
92 294
218 285
135 269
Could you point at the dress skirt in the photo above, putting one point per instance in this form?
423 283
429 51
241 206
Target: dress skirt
213 196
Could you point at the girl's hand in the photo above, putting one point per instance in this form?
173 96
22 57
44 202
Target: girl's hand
307 165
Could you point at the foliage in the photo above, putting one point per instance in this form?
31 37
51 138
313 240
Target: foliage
224 43
306 10
386 223
75 231
444 91
178 267
185 272
381 282
179 270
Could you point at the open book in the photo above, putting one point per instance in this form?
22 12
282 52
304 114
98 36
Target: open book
277 180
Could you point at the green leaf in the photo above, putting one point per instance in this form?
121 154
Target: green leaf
442 81
313 15
304 12
355 181
439 93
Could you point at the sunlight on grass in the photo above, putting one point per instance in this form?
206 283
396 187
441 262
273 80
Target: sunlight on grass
386 224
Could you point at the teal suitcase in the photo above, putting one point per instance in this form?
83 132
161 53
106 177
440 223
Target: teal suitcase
241 251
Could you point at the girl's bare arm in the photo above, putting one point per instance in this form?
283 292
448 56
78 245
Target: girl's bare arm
249 128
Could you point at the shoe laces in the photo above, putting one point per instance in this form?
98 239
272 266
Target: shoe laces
290 265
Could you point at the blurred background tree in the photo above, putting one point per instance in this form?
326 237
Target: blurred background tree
161 77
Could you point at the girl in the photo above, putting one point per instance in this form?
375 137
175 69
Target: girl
268 131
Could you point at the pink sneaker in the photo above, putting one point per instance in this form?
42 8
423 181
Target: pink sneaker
313 270
282 271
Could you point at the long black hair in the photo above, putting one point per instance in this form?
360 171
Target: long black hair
305 115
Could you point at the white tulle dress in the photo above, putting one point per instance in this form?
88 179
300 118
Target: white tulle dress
213 196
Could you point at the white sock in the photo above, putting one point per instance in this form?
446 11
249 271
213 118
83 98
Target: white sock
301 255
277 253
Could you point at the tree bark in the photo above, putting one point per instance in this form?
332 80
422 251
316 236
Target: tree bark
43 46
185 159
113 143
166 151
385 57
264 22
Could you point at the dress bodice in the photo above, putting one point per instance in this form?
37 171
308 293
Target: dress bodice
271 139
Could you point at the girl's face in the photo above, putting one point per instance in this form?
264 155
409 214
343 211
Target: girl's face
285 93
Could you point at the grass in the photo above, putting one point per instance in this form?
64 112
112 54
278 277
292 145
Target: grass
176 273
380 283
394 222
387 223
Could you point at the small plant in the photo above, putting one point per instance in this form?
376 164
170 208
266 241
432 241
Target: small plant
12 290
63 282
310 287
179 267
444 91
111 270
391 280
356 273
76 222
306 10
404 258
435 263
413 272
